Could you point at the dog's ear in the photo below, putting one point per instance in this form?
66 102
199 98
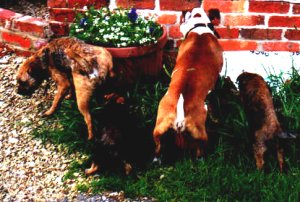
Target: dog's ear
185 16
45 58
34 64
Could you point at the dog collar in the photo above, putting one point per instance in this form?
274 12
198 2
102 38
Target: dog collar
196 25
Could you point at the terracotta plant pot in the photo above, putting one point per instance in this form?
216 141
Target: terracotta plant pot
130 63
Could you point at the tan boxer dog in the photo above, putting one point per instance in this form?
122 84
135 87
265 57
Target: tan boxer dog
198 64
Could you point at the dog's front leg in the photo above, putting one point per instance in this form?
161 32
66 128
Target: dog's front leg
94 168
63 85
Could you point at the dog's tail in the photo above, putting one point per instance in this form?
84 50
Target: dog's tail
288 135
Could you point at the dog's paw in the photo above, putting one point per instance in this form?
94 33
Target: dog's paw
90 137
156 161
94 168
127 168
48 113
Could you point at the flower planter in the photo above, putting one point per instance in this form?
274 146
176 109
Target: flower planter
130 63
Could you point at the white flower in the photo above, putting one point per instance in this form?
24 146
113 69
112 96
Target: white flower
124 39
78 30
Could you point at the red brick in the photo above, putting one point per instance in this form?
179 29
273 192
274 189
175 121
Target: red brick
57 3
88 3
292 34
296 9
228 33
174 32
261 34
269 7
243 20
284 21
179 5
6 16
167 19
140 4
281 46
34 26
62 15
16 50
59 28
16 39
238 45
225 6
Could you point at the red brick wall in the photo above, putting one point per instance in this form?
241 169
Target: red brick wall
262 25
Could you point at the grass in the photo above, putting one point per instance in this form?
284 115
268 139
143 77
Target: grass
227 173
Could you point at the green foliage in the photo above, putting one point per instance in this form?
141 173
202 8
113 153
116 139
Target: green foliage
117 28
69 128
286 95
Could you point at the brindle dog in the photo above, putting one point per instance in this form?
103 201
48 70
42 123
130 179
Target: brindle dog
73 65
257 100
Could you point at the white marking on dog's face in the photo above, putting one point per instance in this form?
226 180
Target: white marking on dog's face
197 16
179 123
94 74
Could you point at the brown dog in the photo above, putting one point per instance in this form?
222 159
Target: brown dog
182 109
72 64
257 100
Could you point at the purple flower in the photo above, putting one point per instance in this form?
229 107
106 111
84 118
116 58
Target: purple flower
83 22
132 15
151 29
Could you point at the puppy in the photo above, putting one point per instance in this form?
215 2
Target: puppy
119 145
73 65
257 100
198 64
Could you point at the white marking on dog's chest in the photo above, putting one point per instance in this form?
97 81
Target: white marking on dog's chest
202 30
179 124
94 74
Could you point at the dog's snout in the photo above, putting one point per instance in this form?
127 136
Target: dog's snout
23 91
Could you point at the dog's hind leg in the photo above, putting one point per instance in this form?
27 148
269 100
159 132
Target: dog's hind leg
259 149
63 86
280 156
84 89
166 116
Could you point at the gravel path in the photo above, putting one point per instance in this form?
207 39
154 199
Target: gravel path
28 169
33 9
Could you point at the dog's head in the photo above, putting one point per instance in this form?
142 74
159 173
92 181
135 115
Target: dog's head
245 77
191 19
32 72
